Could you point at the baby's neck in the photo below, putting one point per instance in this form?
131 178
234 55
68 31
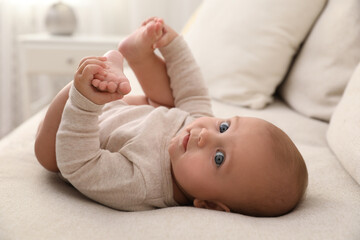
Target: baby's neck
180 196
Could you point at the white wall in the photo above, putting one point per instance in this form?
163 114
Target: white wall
175 12
123 16
95 17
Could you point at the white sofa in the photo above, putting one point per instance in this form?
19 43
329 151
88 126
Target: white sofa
287 61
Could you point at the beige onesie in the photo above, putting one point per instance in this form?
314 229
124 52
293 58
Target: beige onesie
117 154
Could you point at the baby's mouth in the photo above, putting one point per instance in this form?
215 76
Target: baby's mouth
185 141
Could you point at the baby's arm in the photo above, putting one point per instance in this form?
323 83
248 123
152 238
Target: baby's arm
186 81
44 146
97 173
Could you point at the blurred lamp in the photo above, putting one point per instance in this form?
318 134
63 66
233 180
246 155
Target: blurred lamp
60 19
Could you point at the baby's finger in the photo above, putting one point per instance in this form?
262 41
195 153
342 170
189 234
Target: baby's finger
91 57
91 61
161 42
90 70
168 35
102 58
160 20
101 77
148 20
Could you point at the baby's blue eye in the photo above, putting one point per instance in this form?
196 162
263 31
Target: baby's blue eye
223 127
219 158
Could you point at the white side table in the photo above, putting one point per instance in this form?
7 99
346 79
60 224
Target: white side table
43 54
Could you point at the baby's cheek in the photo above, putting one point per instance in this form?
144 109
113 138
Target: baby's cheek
186 167
195 167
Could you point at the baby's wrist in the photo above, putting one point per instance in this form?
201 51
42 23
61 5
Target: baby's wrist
82 102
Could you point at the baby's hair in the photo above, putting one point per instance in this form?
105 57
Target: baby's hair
285 150
289 180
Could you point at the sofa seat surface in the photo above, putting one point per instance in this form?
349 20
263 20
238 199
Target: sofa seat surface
36 204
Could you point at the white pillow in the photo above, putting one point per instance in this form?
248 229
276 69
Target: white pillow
329 56
244 47
344 130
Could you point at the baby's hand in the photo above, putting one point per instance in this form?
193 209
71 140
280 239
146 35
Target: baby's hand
89 68
167 37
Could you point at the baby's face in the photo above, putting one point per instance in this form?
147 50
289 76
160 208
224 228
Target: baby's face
211 157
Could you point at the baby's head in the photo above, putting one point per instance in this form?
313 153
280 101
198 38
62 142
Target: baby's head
243 164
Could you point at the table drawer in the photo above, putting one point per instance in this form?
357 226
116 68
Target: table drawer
59 61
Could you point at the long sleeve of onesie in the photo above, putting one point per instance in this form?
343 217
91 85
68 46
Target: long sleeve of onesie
92 170
186 81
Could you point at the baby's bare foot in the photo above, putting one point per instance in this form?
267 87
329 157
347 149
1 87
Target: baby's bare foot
141 42
115 80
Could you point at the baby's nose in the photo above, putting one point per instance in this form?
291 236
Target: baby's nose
203 137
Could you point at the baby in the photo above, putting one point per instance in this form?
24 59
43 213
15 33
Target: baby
165 148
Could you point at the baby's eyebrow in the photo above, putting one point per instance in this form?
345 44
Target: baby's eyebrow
230 156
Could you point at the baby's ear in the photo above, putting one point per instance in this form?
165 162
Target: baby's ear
213 205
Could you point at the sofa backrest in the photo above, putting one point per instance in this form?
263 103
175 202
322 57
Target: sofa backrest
325 63
343 134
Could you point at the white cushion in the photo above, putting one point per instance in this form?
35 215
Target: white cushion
344 130
244 47
326 61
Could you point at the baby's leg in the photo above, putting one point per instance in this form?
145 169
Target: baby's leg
45 138
115 79
150 69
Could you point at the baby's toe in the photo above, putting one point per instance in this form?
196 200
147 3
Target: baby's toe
124 88
102 86
95 83
111 87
